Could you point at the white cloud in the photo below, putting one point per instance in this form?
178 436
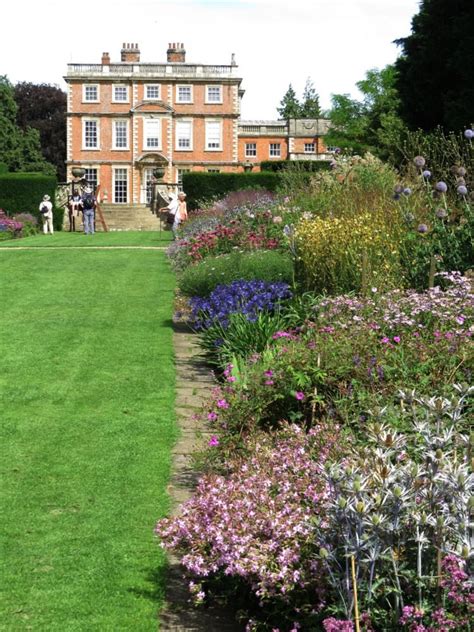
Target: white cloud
275 41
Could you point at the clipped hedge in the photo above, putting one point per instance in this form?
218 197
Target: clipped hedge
301 165
23 192
265 265
201 186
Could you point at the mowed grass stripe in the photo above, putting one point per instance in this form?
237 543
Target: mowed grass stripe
87 392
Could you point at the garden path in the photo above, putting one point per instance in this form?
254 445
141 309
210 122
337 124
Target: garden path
193 384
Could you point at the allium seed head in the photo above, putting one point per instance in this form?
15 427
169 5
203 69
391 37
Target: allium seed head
469 133
419 161
462 190
422 228
441 213
426 174
441 186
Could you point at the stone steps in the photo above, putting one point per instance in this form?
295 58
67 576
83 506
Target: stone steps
124 217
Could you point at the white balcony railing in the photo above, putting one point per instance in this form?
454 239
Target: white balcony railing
150 70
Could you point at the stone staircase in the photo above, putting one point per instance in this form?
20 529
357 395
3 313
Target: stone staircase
128 217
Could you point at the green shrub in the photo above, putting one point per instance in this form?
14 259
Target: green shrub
3 167
265 265
23 192
202 187
291 165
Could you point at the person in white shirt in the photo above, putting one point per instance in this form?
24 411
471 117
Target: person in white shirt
46 210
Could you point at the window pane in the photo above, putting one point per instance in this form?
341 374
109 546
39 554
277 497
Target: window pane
183 134
91 93
152 134
121 128
120 93
214 93
120 186
213 134
309 148
251 149
90 134
184 94
152 92
275 149
91 177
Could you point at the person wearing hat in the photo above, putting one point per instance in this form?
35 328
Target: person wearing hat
46 210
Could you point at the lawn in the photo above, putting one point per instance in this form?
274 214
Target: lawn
117 238
87 387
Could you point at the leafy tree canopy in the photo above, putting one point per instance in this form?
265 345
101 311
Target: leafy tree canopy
20 149
43 107
371 124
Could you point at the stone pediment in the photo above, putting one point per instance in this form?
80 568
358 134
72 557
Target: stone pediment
152 159
153 106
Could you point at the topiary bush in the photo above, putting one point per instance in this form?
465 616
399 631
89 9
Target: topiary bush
265 265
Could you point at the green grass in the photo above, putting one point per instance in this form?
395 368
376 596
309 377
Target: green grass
87 388
118 238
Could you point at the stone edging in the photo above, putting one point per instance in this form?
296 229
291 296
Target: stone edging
193 384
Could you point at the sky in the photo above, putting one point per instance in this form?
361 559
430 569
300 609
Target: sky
275 42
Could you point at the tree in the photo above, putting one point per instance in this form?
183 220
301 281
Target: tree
372 124
43 107
289 106
436 68
310 107
19 150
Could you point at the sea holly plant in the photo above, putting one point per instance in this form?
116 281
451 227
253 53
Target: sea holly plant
405 513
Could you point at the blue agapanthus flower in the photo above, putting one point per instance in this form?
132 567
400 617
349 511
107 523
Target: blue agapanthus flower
245 297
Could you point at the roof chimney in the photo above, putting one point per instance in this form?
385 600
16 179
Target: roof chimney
105 59
130 53
176 53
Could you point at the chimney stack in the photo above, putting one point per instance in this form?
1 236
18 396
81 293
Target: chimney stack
130 53
176 54
105 59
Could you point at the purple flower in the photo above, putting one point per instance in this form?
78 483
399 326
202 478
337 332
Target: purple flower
407 191
213 441
269 382
419 161
222 403
441 186
422 228
299 395
268 373
396 339
469 133
212 416
385 340
426 174
462 190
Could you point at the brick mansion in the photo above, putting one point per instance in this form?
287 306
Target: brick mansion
127 118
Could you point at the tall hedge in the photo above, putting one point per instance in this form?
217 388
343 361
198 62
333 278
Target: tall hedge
23 192
203 186
301 165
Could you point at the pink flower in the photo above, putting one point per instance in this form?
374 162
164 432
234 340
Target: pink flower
231 378
299 395
213 441
268 373
222 403
269 382
396 339
460 320
212 416
385 340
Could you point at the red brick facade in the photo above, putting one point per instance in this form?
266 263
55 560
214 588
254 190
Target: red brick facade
124 119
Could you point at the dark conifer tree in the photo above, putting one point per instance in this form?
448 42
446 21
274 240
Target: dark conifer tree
436 69
289 106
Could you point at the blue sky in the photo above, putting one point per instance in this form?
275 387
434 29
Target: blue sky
275 42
